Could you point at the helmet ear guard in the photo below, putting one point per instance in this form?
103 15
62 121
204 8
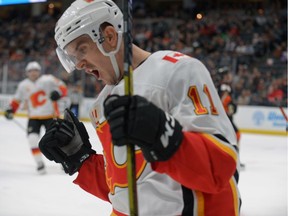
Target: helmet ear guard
84 17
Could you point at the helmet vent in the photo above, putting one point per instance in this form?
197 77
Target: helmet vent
108 4
70 27
73 29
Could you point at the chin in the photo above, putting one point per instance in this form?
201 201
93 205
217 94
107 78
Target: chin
109 83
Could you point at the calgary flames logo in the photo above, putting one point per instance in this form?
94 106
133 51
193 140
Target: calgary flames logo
116 160
38 98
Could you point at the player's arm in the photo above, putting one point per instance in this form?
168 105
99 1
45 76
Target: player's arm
13 106
66 141
61 91
205 159
203 162
91 177
15 102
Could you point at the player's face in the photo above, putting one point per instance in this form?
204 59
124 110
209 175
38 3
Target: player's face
88 57
33 75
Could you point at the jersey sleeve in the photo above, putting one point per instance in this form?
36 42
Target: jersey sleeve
226 101
194 101
91 177
203 161
18 97
61 87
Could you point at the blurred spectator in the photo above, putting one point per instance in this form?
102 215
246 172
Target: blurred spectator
251 42
244 98
275 93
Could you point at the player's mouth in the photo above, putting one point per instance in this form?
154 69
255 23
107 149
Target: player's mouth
93 72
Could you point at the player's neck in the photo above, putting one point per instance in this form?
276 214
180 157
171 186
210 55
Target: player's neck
33 79
139 56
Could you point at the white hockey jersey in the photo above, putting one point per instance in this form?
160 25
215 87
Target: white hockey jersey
36 96
181 86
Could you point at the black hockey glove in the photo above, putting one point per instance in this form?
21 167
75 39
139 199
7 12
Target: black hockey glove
232 109
134 120
55 95
66 142
9 114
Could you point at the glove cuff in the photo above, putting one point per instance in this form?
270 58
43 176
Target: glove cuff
73 163
170 138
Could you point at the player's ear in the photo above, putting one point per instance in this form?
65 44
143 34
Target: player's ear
110 36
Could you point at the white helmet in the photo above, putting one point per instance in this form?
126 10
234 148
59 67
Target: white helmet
225 87
33 66
85 17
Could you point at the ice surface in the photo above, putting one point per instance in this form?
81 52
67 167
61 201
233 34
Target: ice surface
263 183
25 193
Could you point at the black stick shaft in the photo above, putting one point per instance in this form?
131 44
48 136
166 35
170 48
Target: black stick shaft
131 162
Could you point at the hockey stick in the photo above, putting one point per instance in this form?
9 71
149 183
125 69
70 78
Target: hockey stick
279 104
285 116
128 82
56 110
19 125
283 113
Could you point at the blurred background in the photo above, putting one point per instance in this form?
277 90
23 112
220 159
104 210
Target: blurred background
242 42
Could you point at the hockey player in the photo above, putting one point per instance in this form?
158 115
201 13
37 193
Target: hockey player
40 93
185 144
230 108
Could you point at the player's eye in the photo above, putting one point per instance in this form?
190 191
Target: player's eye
82 50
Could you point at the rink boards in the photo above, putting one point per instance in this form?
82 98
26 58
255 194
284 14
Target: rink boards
249 119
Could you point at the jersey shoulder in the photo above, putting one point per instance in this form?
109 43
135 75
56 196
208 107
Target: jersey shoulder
176 63
164 67
47 77
24 83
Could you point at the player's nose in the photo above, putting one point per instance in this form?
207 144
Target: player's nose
80 65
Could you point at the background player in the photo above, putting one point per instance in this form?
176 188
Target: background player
40 93
230 108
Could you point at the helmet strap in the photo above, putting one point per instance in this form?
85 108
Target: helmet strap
115 66
112 55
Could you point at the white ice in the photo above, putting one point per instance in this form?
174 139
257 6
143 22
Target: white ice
263 183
